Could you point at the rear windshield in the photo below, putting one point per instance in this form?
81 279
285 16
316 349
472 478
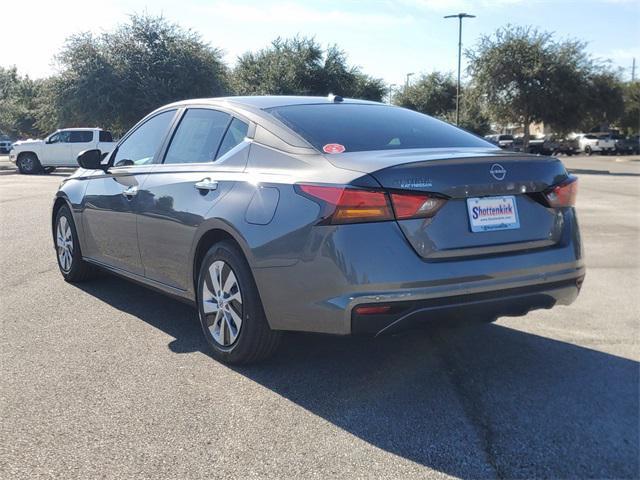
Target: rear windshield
361 127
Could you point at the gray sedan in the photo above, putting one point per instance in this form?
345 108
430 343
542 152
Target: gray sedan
320 214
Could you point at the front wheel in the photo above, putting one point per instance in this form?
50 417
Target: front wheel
230 310
28 164
588 151
72 266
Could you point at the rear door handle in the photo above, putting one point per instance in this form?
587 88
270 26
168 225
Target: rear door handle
206 184
130 192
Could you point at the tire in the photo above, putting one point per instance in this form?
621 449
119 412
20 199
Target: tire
230 309
73 268
588 151
28 164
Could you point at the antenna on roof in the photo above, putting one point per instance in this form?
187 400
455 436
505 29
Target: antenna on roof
334 98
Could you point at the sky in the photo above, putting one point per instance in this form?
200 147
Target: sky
387 39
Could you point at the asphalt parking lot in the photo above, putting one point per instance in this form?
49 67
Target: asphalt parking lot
107 379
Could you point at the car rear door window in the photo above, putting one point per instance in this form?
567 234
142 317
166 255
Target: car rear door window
362 127
198 136
140 147
80 136
105 136
236 133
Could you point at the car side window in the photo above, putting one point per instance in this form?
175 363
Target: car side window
198 136
80 136
235 135
60 137
105 136
140 147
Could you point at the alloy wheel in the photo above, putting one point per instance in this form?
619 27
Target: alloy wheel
222 303
64 243
27 164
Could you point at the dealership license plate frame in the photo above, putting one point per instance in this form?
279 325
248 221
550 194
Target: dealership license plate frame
497 222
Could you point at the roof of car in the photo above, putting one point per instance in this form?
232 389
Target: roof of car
269 101
74 129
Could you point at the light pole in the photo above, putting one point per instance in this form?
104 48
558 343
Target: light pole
406 82
391 85
459 16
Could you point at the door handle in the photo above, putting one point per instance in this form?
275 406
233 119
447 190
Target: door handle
131 192
206 184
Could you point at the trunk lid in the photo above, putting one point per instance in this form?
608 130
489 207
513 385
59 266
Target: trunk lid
461 176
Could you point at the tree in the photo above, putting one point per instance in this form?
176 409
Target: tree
473 111
433 94
19 104
113 79
527 77
300 66
630 121
604 101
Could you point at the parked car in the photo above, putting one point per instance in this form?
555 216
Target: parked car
503 141
5 146
540 146
320 215
60 149
624 145
566 146
547 145
590 143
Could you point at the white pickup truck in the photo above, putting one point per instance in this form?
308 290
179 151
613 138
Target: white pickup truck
60 149
590 143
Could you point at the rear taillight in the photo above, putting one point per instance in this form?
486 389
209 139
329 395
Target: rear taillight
415 205
350 205
355 205
563 194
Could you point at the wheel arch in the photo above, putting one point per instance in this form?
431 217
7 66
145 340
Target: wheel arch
208 237
22 154
59 202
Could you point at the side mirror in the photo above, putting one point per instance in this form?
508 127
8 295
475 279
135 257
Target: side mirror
91 160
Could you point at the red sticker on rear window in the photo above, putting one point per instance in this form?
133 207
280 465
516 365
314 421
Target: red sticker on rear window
333 148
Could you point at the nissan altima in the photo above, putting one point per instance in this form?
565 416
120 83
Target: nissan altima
320 214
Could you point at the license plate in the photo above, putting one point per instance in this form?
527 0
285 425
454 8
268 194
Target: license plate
493 213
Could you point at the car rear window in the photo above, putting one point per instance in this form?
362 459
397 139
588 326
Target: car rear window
363 127
105 136
80 136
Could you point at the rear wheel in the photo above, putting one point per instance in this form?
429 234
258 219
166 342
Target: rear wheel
588 151
230 310
28 163
70 262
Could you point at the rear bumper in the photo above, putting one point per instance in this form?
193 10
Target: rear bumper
341 267
478 307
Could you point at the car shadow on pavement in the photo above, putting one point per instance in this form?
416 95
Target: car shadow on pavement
482 401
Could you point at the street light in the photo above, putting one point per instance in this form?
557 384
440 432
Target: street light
459 16
406 82
391 85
